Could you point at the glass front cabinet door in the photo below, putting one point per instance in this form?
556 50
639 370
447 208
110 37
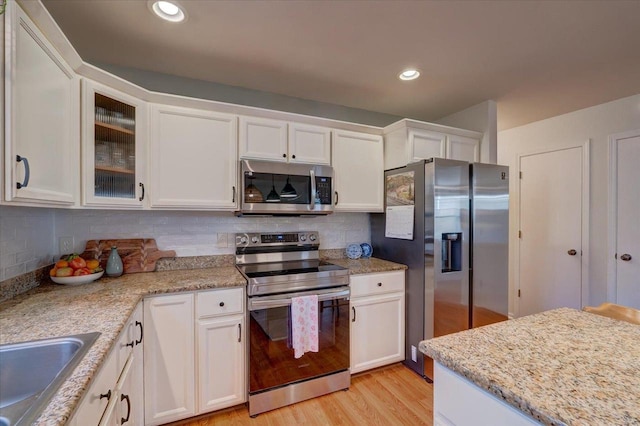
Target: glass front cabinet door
114 144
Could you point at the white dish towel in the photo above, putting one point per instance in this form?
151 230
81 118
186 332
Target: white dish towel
304 324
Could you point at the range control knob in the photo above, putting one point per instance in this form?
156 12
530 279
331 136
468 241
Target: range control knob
303 237
243 240
312 237
255 239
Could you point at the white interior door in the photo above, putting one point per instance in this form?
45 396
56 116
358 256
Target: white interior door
551 216
627 226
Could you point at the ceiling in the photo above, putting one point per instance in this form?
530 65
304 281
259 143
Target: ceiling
536 59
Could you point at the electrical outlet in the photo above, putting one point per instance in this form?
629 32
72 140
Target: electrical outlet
65 245
222 240
414 354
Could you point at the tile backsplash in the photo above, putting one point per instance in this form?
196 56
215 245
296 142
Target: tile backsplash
29 236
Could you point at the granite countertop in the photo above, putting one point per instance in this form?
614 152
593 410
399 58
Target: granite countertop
560 367
52 310
367 266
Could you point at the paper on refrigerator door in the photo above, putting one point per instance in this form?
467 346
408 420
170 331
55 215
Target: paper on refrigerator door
399 222
400 191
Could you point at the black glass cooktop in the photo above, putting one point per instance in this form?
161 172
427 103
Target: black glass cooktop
288 268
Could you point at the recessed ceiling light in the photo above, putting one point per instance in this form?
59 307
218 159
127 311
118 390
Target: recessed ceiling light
410 74
168 10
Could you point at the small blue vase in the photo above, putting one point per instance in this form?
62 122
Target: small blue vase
114 264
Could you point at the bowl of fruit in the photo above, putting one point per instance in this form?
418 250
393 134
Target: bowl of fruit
74 270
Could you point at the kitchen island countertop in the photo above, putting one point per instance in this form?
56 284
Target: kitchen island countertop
560 367
52 310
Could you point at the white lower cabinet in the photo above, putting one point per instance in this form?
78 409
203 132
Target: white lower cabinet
458 402
169 379
116 395
377 320
221 362
194 359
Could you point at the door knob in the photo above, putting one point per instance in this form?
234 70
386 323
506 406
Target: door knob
572 252
626 257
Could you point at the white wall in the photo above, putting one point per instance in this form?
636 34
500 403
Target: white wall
594 124
481 118
29 235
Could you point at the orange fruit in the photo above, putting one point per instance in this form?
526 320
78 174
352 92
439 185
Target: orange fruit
92 264
62 263
64 272
52 273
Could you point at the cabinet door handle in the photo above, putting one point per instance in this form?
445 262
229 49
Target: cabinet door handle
233 196
131 343
239 332
379 284
221 304
626 257
139 324
284 155
27 172
122 398
293 156
106 395
572 252
337 198
141 185
353 309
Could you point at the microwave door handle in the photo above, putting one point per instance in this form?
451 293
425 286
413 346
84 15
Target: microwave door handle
312 203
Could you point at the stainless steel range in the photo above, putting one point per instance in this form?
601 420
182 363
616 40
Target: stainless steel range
279 267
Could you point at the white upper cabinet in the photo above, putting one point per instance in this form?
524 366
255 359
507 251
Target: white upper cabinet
463 148
309 144
263 139
357 160
42 117
425 144
114 146
273 140
407 141
193 160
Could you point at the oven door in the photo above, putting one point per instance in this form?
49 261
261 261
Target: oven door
271 356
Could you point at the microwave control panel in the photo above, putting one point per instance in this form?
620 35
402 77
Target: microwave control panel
323 190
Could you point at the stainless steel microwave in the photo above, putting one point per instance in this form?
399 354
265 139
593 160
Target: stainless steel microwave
272 188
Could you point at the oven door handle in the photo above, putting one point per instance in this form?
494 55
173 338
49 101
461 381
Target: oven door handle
280 301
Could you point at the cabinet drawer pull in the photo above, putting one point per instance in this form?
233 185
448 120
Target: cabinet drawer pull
221 304
27 172
141 185
122 398
106 395
379 284
139 324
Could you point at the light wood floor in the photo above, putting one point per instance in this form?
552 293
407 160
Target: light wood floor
392 395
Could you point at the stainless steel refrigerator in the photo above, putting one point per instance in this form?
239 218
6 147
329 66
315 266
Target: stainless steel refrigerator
448 221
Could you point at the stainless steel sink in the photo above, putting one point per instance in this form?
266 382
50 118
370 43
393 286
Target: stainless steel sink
31 373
